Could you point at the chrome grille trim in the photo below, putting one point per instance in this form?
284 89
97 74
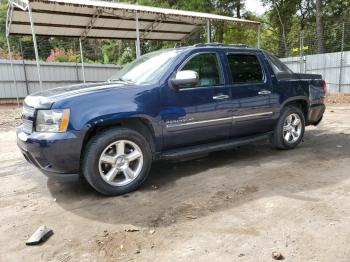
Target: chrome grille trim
28 114
27 126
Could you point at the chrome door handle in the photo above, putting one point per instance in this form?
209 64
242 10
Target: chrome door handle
220 97
264 92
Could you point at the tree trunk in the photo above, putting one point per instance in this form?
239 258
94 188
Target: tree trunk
197 37
238 8
319 27
282 45
282 48
220 32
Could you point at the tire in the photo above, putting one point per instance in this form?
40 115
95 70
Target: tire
109 168
279 137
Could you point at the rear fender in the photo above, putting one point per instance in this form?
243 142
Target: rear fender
302 101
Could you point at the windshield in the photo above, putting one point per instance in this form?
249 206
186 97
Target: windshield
147 69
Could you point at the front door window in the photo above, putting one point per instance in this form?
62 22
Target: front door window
207 67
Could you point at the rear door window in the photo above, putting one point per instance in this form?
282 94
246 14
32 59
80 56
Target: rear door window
245 68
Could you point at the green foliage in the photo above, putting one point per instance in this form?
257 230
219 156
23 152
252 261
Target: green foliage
60 55
3 7
126 57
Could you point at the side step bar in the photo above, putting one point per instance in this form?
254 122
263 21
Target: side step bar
210 147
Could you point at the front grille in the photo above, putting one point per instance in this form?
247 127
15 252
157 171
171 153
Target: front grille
28 114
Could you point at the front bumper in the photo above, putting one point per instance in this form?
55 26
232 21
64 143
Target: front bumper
57 155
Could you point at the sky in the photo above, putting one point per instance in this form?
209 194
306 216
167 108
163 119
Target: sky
255 6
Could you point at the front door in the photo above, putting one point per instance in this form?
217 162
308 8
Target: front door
253 100
201 113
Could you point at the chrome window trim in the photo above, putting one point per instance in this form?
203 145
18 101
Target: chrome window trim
199 122
251 115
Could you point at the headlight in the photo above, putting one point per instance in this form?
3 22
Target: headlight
55 120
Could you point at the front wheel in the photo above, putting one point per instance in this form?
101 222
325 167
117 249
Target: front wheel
290 128
116 161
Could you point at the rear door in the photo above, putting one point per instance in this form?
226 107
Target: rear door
197 114
253 100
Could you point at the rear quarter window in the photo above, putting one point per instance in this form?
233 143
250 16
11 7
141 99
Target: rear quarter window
281 71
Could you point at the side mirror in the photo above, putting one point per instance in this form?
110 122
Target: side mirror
185 78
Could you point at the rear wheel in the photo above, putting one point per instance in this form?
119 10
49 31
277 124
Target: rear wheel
290 128
116 161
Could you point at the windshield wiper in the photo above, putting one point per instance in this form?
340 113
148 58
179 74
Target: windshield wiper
129 81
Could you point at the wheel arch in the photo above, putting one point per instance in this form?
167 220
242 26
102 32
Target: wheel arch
301 102
141 125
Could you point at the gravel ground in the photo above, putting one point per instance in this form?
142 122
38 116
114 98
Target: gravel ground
338 99
237 205
10 117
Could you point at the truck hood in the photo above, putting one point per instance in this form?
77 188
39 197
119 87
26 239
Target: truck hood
45 99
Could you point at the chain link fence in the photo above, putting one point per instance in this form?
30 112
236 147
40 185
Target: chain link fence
95 51
328 55
300 42
56 49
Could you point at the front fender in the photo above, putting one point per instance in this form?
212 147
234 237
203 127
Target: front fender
110 105
113 106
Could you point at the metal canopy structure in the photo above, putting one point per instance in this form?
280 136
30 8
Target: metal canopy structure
99 19
106 20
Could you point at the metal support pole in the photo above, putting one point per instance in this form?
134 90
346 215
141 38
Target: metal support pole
35 46
76 62
301 52
24 68
208 31
259 29
341 58
82 60
12 68
138 46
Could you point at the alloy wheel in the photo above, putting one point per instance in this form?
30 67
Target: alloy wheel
120 162
292 128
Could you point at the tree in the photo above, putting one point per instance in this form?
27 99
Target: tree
321 23
319 27
3 13
305 8
238 7
227 8
280 17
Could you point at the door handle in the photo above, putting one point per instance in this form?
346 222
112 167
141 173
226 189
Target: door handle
221 97
264 92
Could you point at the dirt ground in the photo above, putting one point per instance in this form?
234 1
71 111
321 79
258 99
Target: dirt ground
238 205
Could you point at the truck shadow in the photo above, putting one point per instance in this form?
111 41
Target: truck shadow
178 191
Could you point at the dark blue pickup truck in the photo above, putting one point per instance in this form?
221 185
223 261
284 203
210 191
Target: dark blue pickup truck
173 103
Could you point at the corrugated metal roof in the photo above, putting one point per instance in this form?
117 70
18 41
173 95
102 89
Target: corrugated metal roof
100 19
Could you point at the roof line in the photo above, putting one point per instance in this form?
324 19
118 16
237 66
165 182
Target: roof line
99 37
